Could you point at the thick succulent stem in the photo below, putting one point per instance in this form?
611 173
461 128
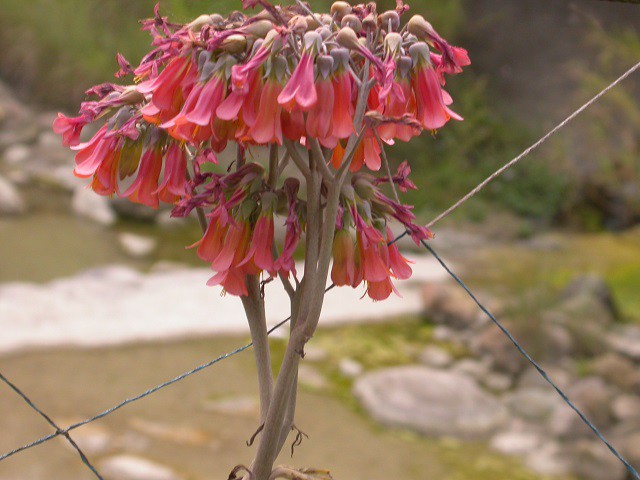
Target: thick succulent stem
254 309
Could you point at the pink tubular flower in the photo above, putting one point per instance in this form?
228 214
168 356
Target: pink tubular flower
343 110
381 290
92 153
320 118
431 110
173 186
300 91
143 189
268 125
105 180
343 271
69 128
285 263
169 89
399 265
260 251
231 274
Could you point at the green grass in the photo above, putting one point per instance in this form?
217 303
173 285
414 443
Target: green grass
539 276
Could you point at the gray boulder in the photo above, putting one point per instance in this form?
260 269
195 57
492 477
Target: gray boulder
11 202
87 204
590 294
432 402
591 460
130 467
535 404
591 395
625 341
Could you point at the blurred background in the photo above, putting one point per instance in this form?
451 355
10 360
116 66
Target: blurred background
99 300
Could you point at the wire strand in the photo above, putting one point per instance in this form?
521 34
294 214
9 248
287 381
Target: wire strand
34 407
523 352
533 147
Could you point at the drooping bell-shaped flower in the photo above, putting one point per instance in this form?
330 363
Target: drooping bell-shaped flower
173 186
267 126
300 91
343 271
144 187
261 249
343 107
431 110
320 117
69 128
285 263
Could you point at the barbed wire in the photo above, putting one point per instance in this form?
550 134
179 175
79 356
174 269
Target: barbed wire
472 193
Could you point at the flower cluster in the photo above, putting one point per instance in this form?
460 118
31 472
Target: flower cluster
283 75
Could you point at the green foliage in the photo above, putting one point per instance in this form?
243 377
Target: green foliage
56 49
605 146
456 159
53 50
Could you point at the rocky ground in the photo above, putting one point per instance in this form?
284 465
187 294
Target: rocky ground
475 385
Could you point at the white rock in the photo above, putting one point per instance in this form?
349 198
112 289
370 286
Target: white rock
433 356
88 204
92 439
349 368
473 368
239 405
311 377
548 460
626 407
60 176
516 443
626 341
131 467
440 403
48 139
497 382
11 202
313 353
137 246
535 404
16 154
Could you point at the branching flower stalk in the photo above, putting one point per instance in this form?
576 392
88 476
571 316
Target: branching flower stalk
308 101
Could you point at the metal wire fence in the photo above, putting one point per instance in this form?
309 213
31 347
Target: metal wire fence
65 432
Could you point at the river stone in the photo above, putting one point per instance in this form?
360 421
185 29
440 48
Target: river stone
92 439
548 459
137 246
350 368
311 377
436 357
534 404
588 291
92 206
432 402
11 202
626 407
16 154
448 304
497 382
626 341
493 344
516 442
131 467
591 460
617 370
591 395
